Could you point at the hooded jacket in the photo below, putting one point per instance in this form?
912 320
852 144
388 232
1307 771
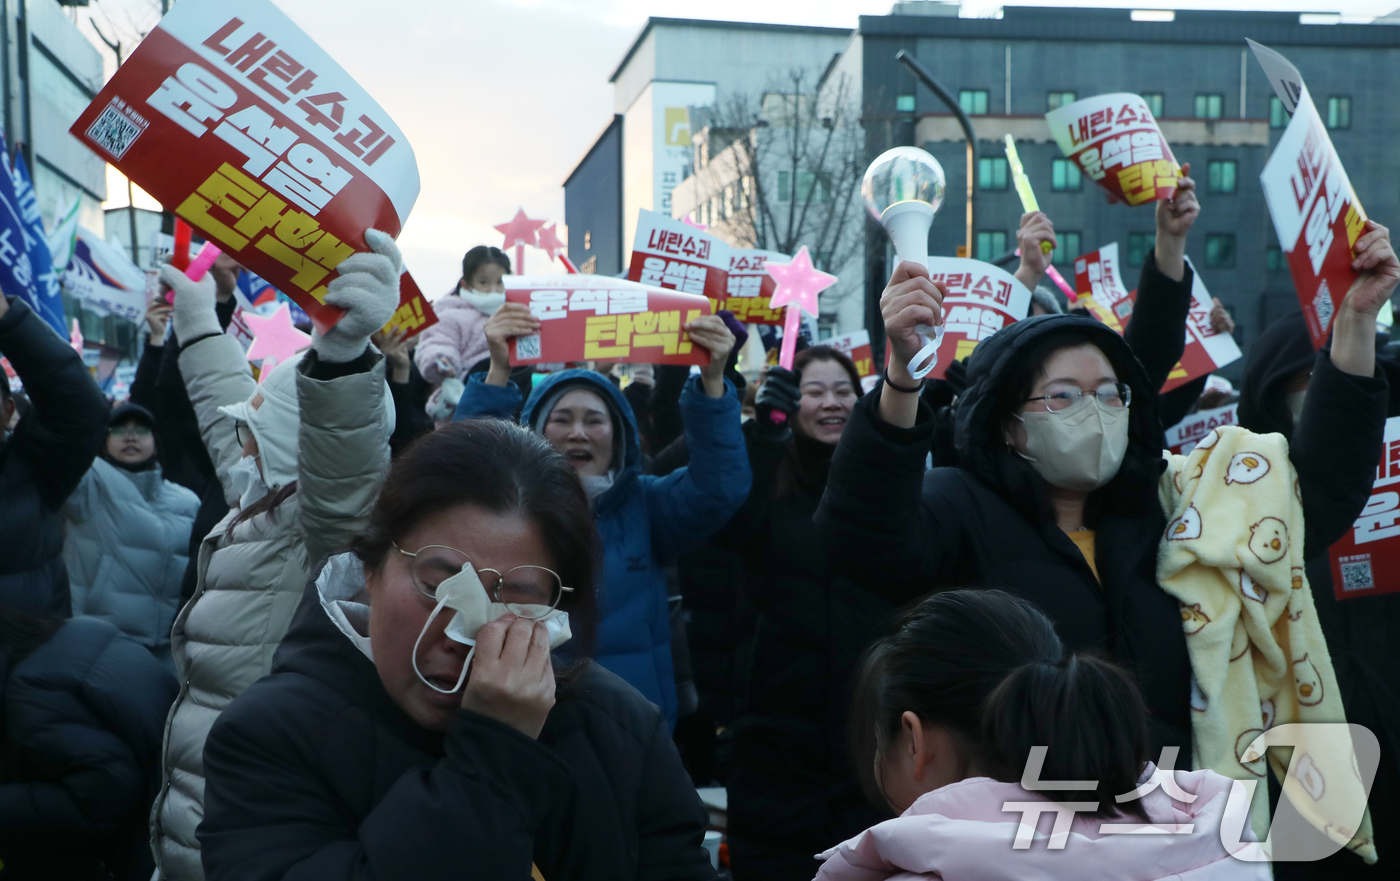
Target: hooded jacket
459 337
43 460
315 772
960 832
644 521
127 549
83 714
990 523
251 575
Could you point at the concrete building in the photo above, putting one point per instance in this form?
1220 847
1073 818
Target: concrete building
1216 109
645 151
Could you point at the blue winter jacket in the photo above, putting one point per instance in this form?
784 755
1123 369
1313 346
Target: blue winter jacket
645 521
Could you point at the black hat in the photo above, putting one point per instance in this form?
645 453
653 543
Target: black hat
127 412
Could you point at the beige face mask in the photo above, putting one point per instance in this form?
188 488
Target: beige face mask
1080 448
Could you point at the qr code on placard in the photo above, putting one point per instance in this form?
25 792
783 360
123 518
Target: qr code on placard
527 346
1322 305
1357 576
115 131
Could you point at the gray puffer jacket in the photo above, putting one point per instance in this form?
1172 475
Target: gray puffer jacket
252 577
127 548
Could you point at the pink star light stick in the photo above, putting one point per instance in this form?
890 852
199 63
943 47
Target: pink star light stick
275 339
799 284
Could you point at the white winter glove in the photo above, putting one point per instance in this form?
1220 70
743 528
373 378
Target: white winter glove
368 290
193 315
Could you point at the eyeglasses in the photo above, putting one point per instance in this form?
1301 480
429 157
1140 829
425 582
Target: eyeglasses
243 433
522 590
131 432
1114 395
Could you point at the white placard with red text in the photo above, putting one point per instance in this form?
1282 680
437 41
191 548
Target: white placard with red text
1183 437
1100 275
674 255
981 300
750 287
233 118
596 318
1366 562
1316 213
1116 142
856 346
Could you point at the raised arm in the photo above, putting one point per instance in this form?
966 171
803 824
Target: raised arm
1035 228
59 439
1157 331
1339 436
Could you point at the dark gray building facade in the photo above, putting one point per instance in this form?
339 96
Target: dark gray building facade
593 204
1211 96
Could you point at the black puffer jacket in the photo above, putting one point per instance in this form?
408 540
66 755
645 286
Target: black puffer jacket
84 713
791 792
1363 633
43 461
314 772
992 525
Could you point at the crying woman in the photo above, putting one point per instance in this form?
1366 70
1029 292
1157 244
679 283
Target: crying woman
418 720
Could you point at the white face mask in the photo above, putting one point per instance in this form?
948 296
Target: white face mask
1080 448
467 596
247 481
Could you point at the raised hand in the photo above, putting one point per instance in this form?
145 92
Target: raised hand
711 333
1035 228
510 321
1174 219
367 288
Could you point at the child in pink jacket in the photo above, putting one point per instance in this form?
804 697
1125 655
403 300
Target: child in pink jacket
448 349
968 695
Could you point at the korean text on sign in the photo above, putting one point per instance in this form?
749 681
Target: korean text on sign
1099 275
1116 142
673 255
232 117
599 319
981 300
750 287
1366 561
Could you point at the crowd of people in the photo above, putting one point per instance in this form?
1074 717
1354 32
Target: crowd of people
396 607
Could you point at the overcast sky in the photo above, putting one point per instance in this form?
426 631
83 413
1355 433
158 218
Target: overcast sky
500 98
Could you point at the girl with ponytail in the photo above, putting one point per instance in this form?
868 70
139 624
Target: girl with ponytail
946 712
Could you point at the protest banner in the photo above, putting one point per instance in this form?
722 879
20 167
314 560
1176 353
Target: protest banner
1116 142
673 255
594 318
1366 562
232 117
1316 213
104 278
18 273
1183 437
856 346
1099 279
48 300
749 286
981 300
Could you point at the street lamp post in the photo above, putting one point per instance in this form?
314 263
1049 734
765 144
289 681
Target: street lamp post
927 79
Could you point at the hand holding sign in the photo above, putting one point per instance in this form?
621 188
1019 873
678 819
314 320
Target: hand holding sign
1174 219
1353 330
510 321
710 332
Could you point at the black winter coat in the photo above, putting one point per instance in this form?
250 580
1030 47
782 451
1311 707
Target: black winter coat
792 790
315 773
84 714
43 461
991 524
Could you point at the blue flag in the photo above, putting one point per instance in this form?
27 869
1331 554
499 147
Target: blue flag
47 301
16 269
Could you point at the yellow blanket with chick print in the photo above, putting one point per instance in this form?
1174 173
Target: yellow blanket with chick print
1232 556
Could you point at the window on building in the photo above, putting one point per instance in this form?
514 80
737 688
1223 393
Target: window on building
813 187
1139 243
990 245
991 173
1221 173
1064 175
1278 117
784 186
1154 102
1339 111
973 101
904 103
1274 261
1066 247
1210 106
1220 250
1056 100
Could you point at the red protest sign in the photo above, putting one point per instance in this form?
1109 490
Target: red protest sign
1183 437
592 318
415 313
1098 275
1316 214
671 254
981 300
749 287
856 346
1366 562
231 116
1116 142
